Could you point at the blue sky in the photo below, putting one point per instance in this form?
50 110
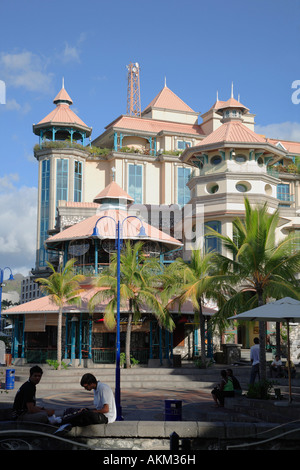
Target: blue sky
200 47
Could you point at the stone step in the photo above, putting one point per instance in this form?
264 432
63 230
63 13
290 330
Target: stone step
269 411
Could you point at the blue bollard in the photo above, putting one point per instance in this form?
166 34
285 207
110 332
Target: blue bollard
10 379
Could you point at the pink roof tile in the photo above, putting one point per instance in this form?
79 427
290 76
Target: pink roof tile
113 191
107 229
218 104
155 126
62 96
45 305
232 131
166 99
291 147
64 115
232 103
79 204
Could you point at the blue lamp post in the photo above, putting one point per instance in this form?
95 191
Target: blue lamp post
11 278
118 245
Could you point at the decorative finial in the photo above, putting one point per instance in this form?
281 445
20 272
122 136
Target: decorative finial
217 95
165 81
63 82
231 89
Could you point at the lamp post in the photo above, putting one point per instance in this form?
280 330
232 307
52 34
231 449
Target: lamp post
11 278
118 245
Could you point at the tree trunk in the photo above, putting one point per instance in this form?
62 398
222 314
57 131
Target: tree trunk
128 341
262 341
202 335
59 329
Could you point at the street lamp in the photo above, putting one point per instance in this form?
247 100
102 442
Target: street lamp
118 244
11 278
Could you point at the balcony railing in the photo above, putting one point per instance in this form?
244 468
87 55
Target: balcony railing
89 269
108 355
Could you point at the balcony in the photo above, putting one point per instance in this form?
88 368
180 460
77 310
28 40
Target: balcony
90 269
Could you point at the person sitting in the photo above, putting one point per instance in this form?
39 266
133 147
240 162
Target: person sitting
276 367
236 384
292 368
224 389
25 407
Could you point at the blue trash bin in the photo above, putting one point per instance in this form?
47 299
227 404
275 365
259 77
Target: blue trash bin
10 379
173 410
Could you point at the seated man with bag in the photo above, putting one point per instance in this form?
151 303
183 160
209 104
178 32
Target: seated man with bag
104 401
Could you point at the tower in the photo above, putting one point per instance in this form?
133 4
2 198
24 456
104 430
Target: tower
61 153
133 90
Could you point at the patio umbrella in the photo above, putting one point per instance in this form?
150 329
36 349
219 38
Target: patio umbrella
282 310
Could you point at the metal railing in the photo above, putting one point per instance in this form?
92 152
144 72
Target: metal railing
89 269
108 355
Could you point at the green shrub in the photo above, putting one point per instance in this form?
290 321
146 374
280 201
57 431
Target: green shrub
54 363
260 390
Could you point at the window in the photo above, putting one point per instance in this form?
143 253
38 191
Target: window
216 160
62 170
242 188
212 243
283 192
44 220
181 144
183 192
240 159
77 181
135 183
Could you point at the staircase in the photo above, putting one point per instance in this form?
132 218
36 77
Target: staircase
187 377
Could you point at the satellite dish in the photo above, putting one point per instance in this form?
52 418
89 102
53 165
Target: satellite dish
78 248
109 246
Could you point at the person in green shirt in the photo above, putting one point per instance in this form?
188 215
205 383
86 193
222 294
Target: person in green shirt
223 389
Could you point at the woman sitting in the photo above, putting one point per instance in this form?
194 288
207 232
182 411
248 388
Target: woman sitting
224 389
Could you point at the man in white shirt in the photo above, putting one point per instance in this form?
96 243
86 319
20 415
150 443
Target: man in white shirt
254 357
104 399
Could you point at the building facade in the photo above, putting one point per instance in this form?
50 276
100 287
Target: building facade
160 161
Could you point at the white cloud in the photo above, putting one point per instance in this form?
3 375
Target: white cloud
13 105
18 209
281 131
70 54
26 70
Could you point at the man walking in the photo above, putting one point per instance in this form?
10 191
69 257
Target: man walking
254 357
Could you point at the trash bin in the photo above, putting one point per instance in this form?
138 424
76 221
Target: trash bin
173 410
10 379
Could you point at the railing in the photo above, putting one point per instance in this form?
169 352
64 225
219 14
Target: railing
108 356
40 356
89 269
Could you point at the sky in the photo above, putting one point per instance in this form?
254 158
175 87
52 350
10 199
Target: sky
199 48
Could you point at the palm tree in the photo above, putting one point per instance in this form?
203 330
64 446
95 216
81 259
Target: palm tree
259 267
194 280
137 287
63 288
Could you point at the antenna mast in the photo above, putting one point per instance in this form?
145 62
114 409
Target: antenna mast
133 90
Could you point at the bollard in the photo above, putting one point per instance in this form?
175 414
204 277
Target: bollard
10 379
175 446
174 442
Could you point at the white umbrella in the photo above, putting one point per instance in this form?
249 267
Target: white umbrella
286 309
